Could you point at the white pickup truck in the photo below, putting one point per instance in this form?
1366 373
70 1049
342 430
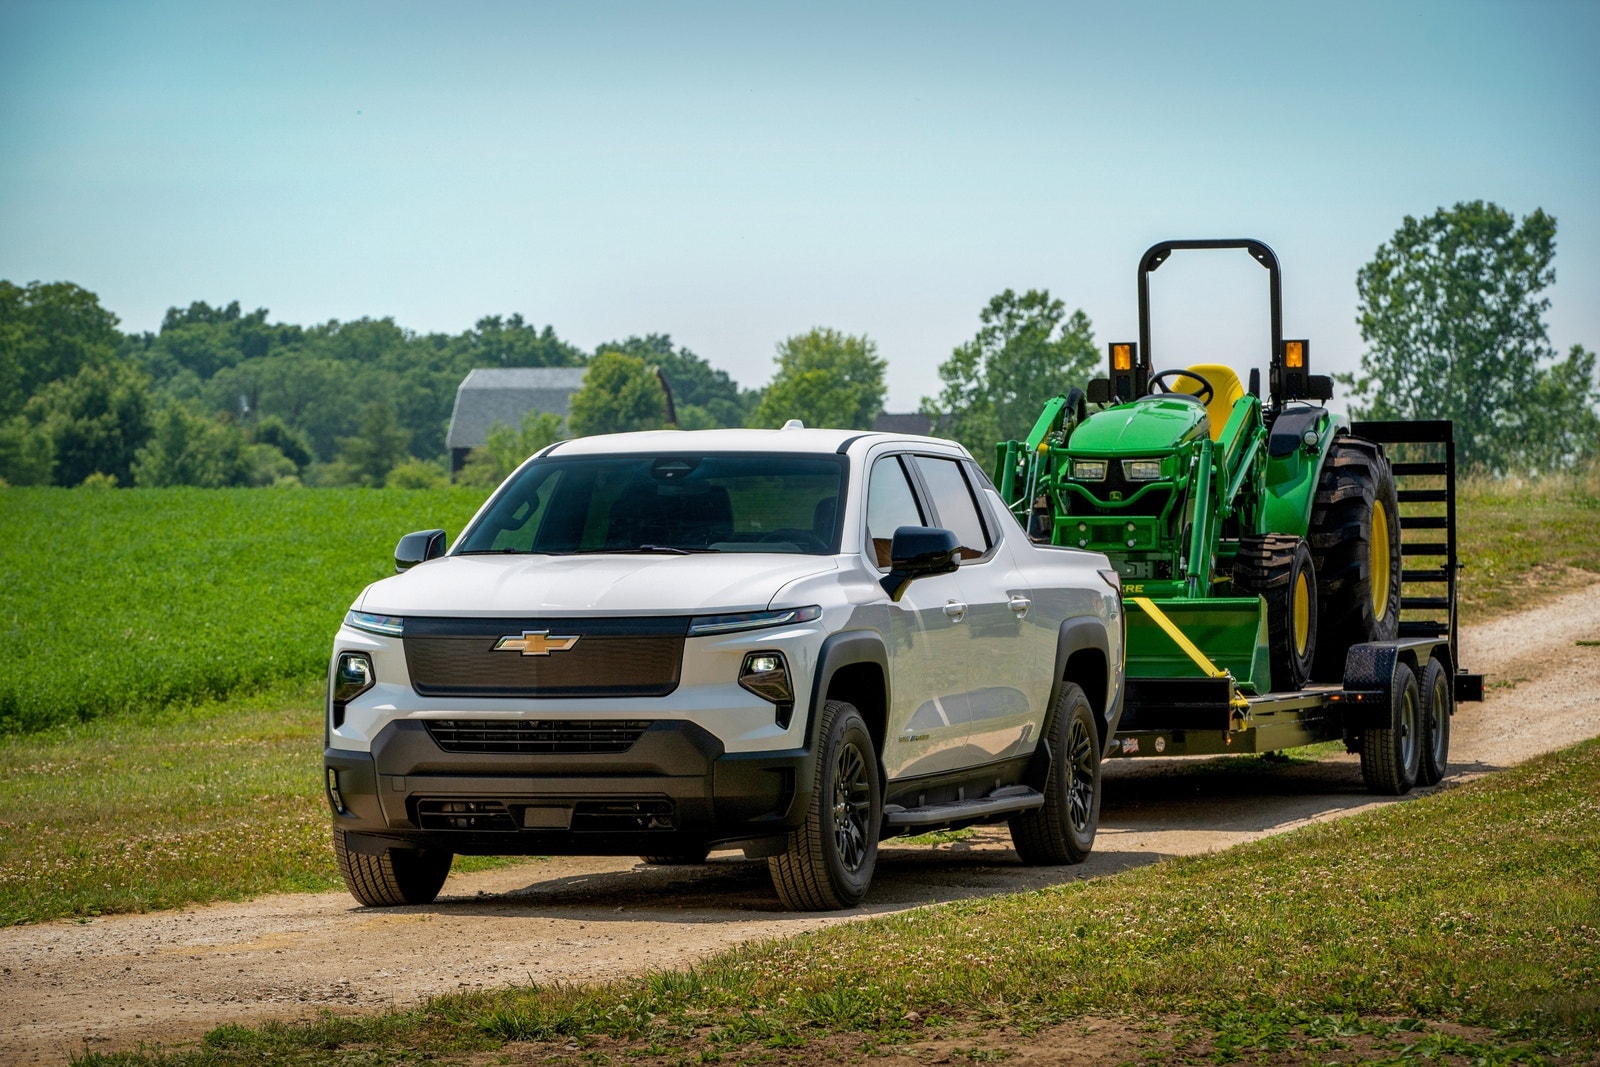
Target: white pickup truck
795 642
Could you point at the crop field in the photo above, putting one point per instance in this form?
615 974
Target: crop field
132 600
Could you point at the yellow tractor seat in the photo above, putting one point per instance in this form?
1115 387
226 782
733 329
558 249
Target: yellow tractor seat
1225 392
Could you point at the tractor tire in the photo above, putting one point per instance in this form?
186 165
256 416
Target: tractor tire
827 863
691 858
1062 830
397 877
1438 703
1355 547
1392 755
1279 569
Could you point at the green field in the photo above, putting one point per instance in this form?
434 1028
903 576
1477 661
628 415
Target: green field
132 600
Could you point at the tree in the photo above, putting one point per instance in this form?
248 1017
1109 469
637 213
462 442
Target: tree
1027 350
620 393
703 396
96 421
505 449
190 449
49 332
1451 311
367 458
824 378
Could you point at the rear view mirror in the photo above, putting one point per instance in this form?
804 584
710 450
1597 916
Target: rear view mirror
419 547
1099 391
919 552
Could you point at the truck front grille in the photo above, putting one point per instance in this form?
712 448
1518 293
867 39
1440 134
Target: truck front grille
575 736
600 657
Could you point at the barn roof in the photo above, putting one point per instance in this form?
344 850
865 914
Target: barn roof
489 395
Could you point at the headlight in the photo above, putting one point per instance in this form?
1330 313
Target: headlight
352 676
388 625
1088 470
705 625
1141 470
766 674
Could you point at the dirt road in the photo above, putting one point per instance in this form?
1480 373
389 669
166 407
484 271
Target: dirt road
168 977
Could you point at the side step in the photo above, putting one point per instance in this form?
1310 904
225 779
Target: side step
1001 802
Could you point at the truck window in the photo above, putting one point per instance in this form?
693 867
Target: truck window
890 505
952 499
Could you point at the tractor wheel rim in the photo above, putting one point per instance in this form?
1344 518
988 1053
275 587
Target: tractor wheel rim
852 801
1382 566
1080 766
1302 614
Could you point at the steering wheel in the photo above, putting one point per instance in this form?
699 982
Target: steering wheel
1204 395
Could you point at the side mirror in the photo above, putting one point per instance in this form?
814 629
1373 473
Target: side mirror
419 547
1099 391
919 552
1319 386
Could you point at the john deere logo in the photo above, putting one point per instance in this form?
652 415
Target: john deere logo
534 643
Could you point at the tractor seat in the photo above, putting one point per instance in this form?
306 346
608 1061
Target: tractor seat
1226 392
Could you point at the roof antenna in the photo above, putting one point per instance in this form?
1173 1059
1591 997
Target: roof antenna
794 424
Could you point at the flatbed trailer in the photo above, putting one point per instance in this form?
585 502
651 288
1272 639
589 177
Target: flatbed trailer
1394 702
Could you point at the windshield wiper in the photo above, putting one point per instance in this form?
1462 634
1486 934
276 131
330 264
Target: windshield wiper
491 552
665 550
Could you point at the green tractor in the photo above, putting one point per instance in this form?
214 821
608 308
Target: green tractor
1257 538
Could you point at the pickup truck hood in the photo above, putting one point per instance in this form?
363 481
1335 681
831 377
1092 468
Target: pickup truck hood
530 586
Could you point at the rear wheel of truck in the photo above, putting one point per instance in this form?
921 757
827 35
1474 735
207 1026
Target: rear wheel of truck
1392 755
1063 829
1279 568
1438 701
829 860
1355 547
393 878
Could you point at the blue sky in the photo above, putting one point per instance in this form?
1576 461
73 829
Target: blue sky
734 174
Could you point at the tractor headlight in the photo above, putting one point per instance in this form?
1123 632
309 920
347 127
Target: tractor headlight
1088 470
1141 470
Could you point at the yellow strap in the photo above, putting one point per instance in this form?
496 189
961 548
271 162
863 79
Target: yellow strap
1209 669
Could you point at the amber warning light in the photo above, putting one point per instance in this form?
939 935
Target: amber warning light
1122 357
1294 354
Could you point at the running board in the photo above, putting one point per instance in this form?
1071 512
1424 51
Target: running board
1005 799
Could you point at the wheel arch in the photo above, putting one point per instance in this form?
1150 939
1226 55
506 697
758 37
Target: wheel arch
1083 656
853 667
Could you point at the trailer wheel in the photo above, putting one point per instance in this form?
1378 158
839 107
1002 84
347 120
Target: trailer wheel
1438 702
1355 546
829 860
1279 568
398 876
1391 755
1062 830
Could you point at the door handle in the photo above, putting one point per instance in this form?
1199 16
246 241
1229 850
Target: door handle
1020 605
955 609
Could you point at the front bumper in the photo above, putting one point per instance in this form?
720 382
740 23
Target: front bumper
674 791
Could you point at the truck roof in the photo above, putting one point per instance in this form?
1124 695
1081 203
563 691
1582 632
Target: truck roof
797 439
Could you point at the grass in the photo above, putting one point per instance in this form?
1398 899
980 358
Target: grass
157 810
1525 541
114 602
1375 937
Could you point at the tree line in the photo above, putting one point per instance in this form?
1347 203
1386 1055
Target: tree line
1451 310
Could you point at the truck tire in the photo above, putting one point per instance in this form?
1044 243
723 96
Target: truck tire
1062 831
1355 547
1392 755
1279 568
828 862
399 876
678 859
1438 702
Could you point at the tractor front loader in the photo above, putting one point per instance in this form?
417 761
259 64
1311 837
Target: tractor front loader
1258 541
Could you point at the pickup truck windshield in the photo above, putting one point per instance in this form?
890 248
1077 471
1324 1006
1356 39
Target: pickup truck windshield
665 504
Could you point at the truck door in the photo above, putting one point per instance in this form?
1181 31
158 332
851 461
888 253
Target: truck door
927 635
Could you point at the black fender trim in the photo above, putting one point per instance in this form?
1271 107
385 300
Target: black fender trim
1084 633
846 649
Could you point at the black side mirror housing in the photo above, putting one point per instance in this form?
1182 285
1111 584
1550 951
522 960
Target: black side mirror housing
419 547
1319 386
1099 391
919 552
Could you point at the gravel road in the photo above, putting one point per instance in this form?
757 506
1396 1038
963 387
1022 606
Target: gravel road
167 977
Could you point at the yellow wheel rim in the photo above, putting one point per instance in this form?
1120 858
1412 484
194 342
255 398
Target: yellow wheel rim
1382 565
1302 614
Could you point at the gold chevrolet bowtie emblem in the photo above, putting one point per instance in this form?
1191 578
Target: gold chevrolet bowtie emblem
534 643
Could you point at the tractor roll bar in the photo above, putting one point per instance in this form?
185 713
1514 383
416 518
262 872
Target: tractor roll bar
1157 254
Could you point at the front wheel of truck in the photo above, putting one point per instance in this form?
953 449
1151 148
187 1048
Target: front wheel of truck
393 878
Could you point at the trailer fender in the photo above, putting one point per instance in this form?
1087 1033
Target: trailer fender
1369 681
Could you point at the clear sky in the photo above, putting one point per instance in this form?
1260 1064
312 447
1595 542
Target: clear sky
734 174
